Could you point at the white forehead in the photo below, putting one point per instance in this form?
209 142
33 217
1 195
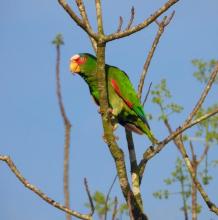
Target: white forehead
74 57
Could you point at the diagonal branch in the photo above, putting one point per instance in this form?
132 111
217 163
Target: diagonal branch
37 191
131 18
189 166
108 196
89 196
142 25
206 149
86 22
166 20
120 24
204 94
152 151
78 21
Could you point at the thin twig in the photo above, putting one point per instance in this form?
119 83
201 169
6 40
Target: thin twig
89 196
86 22
37 191
166 20
147 94
120 24
143 24
131 18
115 208
152 151
193 152
58 42
73 15
189 166
206 149
204 93
108 196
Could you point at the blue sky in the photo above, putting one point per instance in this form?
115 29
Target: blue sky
31 128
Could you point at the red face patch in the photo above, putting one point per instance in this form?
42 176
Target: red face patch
81 60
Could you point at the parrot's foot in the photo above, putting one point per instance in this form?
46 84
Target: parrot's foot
110 113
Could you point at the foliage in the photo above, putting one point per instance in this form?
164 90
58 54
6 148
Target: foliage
159 96
58 40
207 131
105 206
204 68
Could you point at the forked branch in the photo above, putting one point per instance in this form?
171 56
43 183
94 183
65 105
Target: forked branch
143 24
37 191
152 151
189 166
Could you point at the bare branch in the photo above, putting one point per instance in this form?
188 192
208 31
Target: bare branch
89 196
131 18
142 25
134 168
206 149
58 41
115 208
189 166
147 94
204 94
120 24
108 196
73 15
152 151
99 17
166 20
131 149
37 191
86 22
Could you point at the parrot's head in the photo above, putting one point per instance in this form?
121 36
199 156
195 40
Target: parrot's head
82 63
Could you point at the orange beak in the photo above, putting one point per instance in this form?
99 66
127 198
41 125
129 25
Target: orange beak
74 67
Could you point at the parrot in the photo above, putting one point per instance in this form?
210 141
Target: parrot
124 103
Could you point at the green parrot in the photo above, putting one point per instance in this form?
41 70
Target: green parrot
125 106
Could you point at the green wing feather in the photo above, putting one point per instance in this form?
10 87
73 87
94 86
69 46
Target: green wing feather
125 90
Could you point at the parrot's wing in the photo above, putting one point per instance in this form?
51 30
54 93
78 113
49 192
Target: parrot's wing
124 89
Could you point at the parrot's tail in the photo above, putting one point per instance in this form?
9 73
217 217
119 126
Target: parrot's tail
151 137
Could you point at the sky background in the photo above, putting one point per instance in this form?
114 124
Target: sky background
32 131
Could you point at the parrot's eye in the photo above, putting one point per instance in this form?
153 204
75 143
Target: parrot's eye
81 60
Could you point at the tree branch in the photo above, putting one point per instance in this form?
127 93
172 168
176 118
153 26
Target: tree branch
78 21
120 24
58 41
166 20
206 149
131 18
89 196
142 25
108 196
115 208
152 151
99 17
204 94
37 191
189 166
86 22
